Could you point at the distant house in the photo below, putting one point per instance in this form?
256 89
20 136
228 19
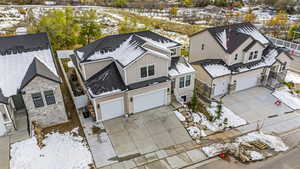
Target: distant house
29 82
234 58
134 72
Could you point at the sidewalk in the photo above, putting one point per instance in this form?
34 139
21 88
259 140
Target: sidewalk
4 151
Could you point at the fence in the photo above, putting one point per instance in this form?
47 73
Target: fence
293 47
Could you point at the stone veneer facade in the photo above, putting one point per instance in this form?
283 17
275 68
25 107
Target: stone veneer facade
48 114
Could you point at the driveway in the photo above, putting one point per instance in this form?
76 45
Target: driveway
145 132
254 104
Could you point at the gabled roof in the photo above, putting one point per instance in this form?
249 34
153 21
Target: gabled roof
3 99
37 68
124 48
230 37
179 66
105 81
217 67
17 54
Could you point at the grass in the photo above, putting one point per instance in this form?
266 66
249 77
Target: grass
152 23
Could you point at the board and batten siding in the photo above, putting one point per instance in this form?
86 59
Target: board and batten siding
91 68
212 50
133 71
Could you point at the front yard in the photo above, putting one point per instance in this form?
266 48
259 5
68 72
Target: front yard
60 151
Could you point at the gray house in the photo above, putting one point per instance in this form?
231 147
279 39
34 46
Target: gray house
29 82
235 57
134 72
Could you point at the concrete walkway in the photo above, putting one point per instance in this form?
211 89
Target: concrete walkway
4 152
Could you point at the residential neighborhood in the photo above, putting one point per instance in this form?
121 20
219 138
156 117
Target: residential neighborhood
127 85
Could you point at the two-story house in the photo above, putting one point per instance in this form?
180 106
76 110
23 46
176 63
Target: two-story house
29 82
131 73
235 57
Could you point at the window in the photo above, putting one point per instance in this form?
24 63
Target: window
147 71
181 82
251 56
236 56
255 54
202 47
151 70
173 52
144 72
185 81
188 80
49 97
37 100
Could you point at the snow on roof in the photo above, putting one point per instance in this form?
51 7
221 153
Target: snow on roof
181 68
13 68
252 31
222 38
163 44
126 53
104 93
217 70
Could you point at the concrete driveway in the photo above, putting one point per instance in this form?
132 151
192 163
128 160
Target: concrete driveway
145 132
254 104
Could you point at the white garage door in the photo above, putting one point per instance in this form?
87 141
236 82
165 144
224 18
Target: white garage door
112 108
246 81
149 100
221 88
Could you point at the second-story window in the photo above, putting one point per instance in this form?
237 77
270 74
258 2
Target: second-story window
37 100
202 47
188 80
255 54
185 81
236 56
147 71
173 52
181 82
49 97
251 56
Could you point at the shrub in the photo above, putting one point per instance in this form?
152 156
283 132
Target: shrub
290 85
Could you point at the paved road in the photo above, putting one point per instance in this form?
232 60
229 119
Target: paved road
285 160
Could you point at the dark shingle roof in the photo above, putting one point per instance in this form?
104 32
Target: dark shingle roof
37 68
106 80
234 36
110 43
23 43
147 83
3 99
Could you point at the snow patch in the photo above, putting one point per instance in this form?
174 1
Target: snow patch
288 98
292 77
222 38
181 68
179 116
61 151
254 33
217 70
255 156
272 141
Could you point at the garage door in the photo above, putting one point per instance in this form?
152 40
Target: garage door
149 100
221 88
246 81
112 108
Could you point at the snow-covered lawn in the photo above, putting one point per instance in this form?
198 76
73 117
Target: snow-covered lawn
285 95
226 120
252 154
292 77
61 151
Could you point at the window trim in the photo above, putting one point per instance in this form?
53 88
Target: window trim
202 46
185 81
182 77
147 71
46 97
255 56
236 56
41 97
251 56
173 50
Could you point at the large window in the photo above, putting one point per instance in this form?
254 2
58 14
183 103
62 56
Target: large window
181 82
49 97
255 54
37 100
251 56
144 72
147 71
185 81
